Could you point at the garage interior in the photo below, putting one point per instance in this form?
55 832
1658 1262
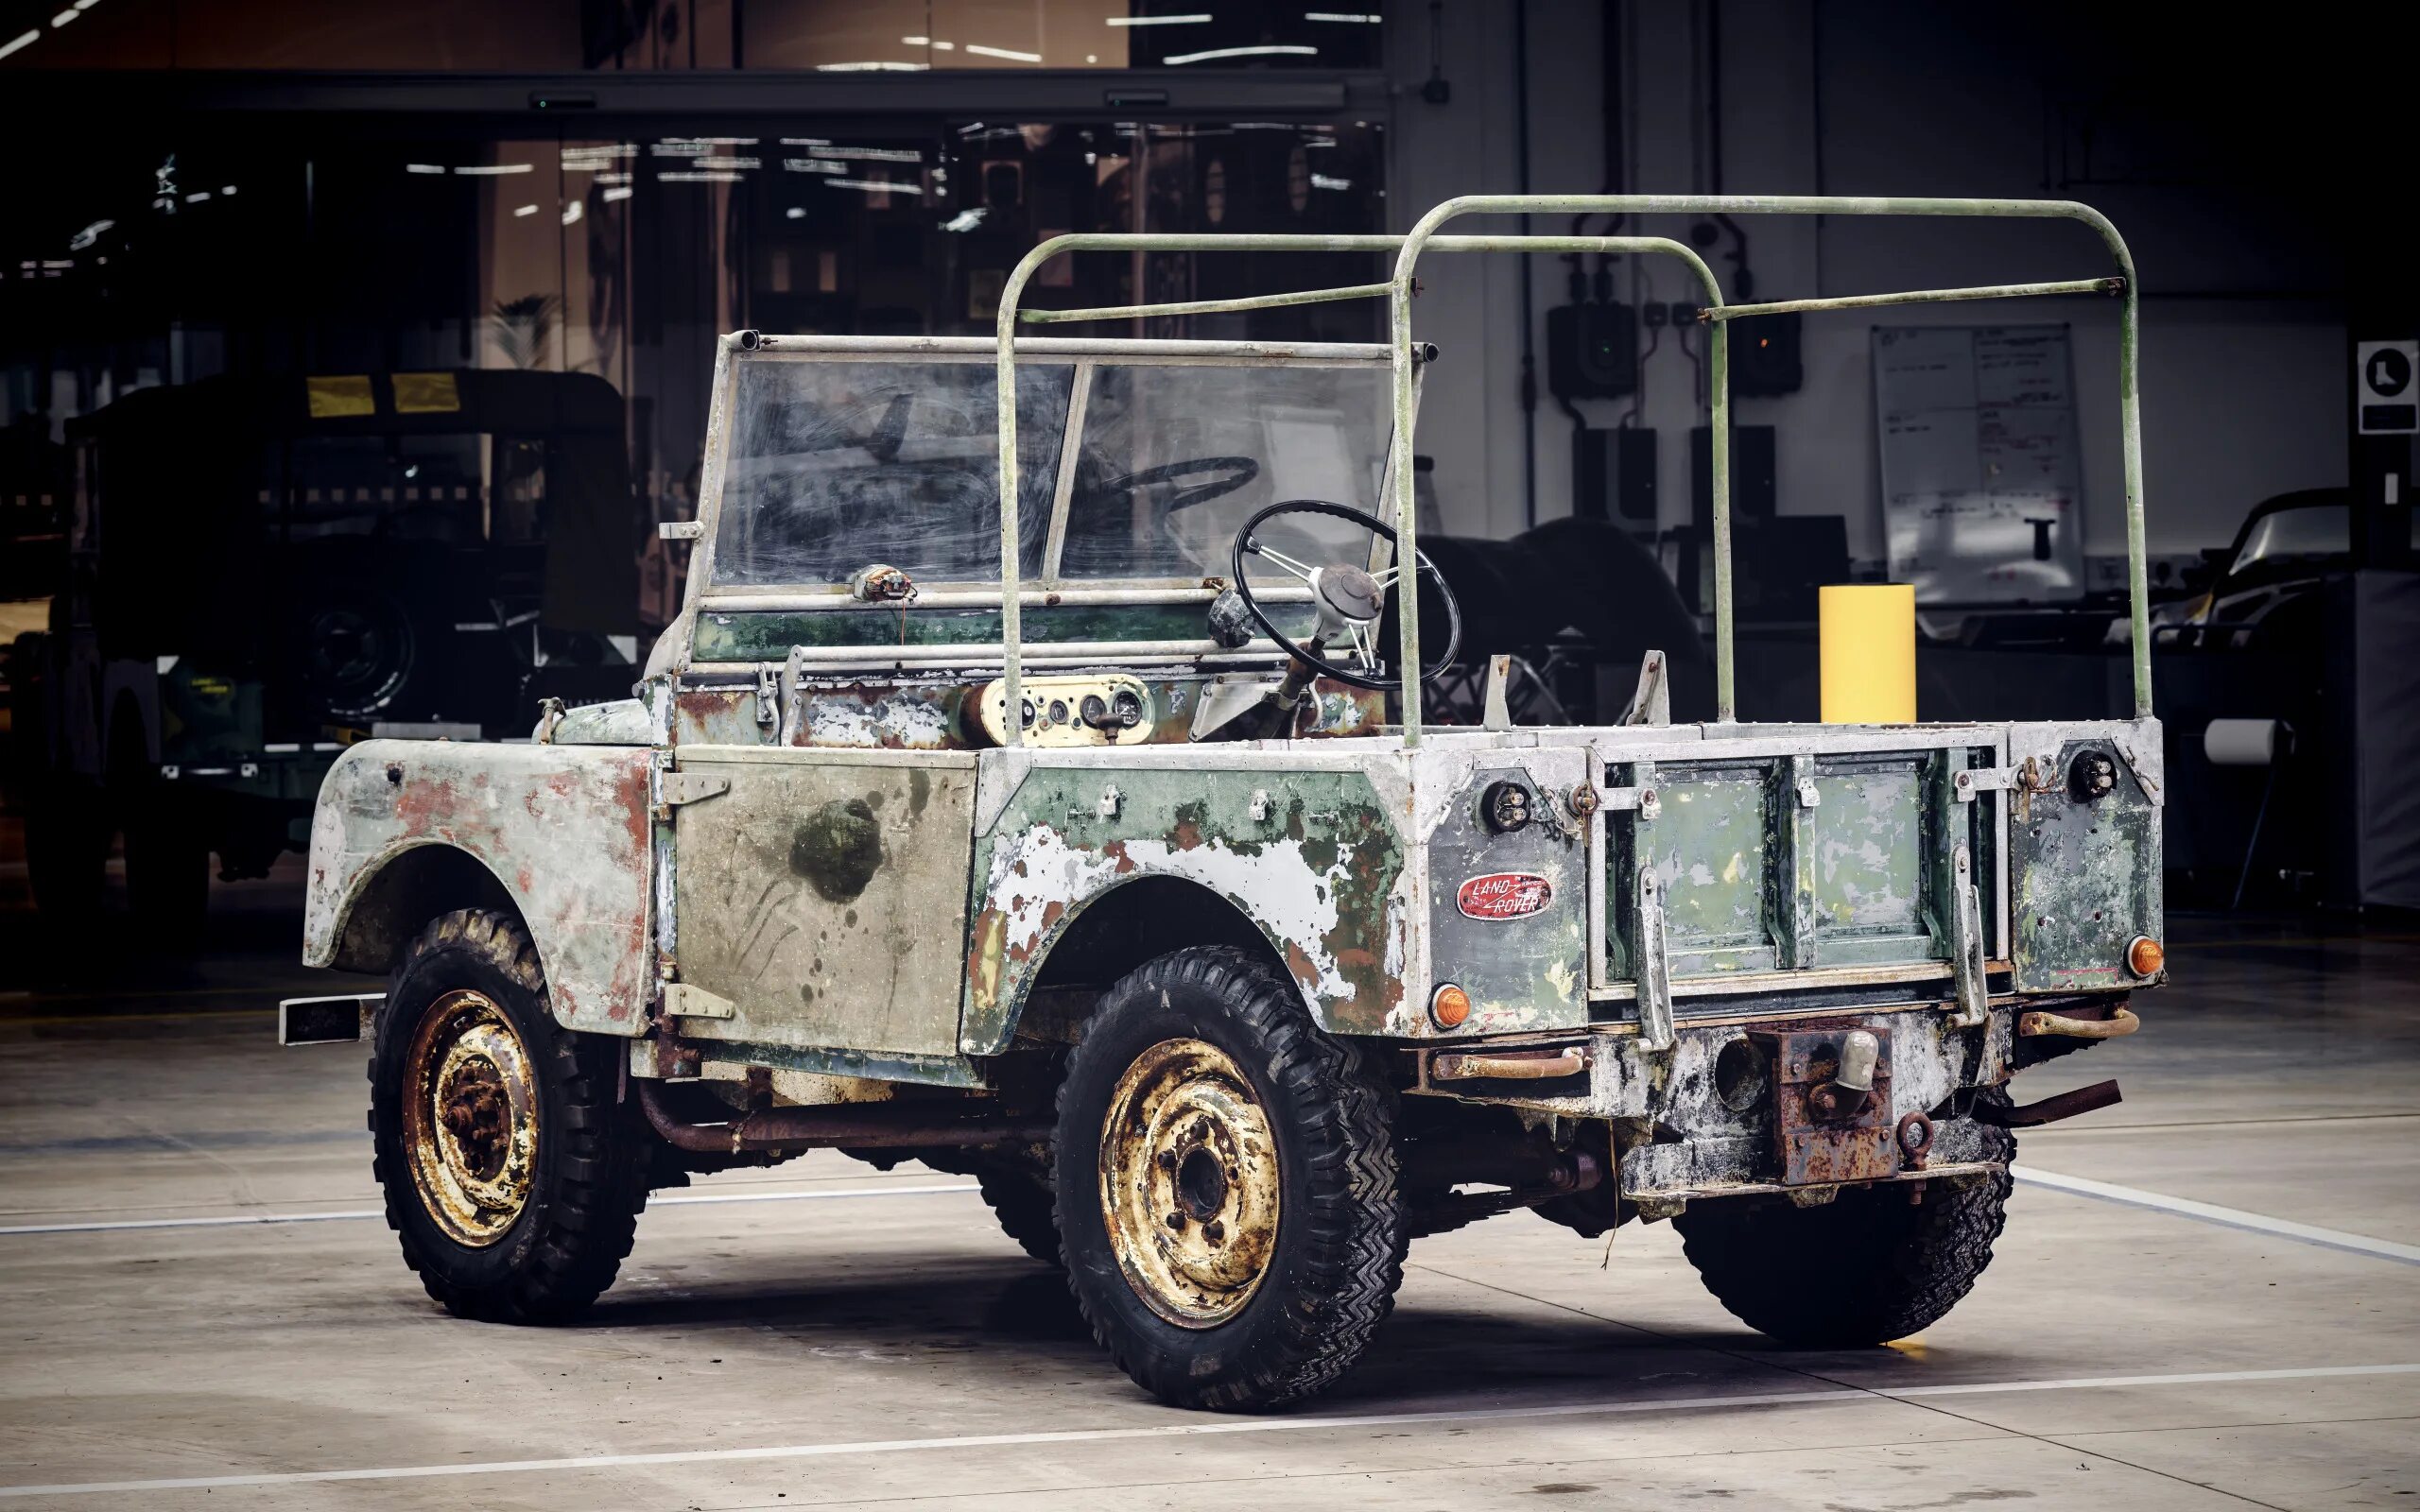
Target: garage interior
229 210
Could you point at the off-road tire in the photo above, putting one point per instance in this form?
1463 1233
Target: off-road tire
1337 1258
589 1174
1861 1270
1026 1210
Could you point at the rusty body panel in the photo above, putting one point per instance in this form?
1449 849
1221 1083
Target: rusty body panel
1312 853
561 830
822 898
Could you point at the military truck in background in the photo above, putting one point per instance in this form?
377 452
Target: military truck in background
261 571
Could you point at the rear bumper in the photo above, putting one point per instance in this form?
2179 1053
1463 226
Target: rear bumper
1730 1108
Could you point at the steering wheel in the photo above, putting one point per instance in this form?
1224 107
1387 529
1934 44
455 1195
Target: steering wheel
1350 599
1233 473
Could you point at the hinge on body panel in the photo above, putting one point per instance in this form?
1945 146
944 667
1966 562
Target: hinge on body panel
676 788
1653 969
681 1001
1640 799
1966 941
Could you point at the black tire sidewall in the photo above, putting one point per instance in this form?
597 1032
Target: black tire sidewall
1153 1005
424 977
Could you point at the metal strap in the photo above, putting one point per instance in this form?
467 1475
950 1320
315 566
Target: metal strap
1653 969
1966 938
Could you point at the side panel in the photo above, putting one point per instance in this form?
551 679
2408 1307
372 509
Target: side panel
563 828
823 896
2084 873
1312 858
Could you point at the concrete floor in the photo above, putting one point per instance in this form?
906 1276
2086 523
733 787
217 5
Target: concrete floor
836 1336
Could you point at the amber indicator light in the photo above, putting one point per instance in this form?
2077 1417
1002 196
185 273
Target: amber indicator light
2144 957
1450 1007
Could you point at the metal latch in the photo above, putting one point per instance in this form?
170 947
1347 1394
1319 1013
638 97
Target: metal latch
680 529
1967 939
681 1001
1640 799
1970 780
1653 968
676 788
769 698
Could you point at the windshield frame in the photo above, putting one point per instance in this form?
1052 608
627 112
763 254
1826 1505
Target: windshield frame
1087 357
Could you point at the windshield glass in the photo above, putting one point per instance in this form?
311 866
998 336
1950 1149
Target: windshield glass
837 465
834 465
1177 457
2319 530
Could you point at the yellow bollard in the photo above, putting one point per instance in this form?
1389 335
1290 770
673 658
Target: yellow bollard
1868 634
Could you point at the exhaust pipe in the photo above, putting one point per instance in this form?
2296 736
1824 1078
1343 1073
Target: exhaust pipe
841 1126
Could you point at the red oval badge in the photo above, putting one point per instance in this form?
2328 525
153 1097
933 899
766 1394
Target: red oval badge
1504 895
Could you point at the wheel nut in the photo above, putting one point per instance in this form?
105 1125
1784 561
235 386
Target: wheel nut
1165 1159
1176 1221
1214 1231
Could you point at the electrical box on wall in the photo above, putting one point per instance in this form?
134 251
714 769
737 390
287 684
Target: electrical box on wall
1613 474
1765 356
1754 483
1592 351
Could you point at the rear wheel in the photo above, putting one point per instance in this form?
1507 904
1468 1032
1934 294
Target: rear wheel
512 1174
1022 1204
1227 1196
1863 1269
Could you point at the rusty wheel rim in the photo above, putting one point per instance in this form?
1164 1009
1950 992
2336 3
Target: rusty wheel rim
470 1118
1189 1184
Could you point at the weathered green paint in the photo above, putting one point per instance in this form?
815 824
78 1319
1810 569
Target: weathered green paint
825 896
1316 875
1525 973
2084 877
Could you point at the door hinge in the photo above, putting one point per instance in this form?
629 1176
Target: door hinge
676 788
681 1001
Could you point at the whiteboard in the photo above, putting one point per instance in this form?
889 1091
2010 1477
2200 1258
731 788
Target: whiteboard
1982 488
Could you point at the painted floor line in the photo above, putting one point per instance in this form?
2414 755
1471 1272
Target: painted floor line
2258 1223
351 1215
1191 1428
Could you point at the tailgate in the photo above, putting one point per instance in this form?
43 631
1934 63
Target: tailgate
1818 866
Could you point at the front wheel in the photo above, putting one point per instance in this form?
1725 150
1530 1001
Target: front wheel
512 1174
1227 1201
1863 1269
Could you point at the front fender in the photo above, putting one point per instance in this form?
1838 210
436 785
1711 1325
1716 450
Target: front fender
1315 859
562 830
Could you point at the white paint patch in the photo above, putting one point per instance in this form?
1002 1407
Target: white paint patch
2226 1217
1201 1426
351 1215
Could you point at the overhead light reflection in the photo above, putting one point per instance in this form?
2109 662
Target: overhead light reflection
88 236
1193 19
64 18
795 212
872 67
965 219
1354 16
1291 49
424 167
873 187
524 210
492 170
26 41
573 212
612 195
1013 55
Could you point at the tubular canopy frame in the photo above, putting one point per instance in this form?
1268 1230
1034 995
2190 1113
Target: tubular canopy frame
1405 357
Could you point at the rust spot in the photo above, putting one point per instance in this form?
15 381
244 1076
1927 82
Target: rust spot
1115 850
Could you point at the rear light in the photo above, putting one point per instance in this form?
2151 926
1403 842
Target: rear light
2144 957
1450 1007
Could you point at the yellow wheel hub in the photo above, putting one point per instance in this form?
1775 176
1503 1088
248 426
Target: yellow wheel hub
1189 1184
470 1117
